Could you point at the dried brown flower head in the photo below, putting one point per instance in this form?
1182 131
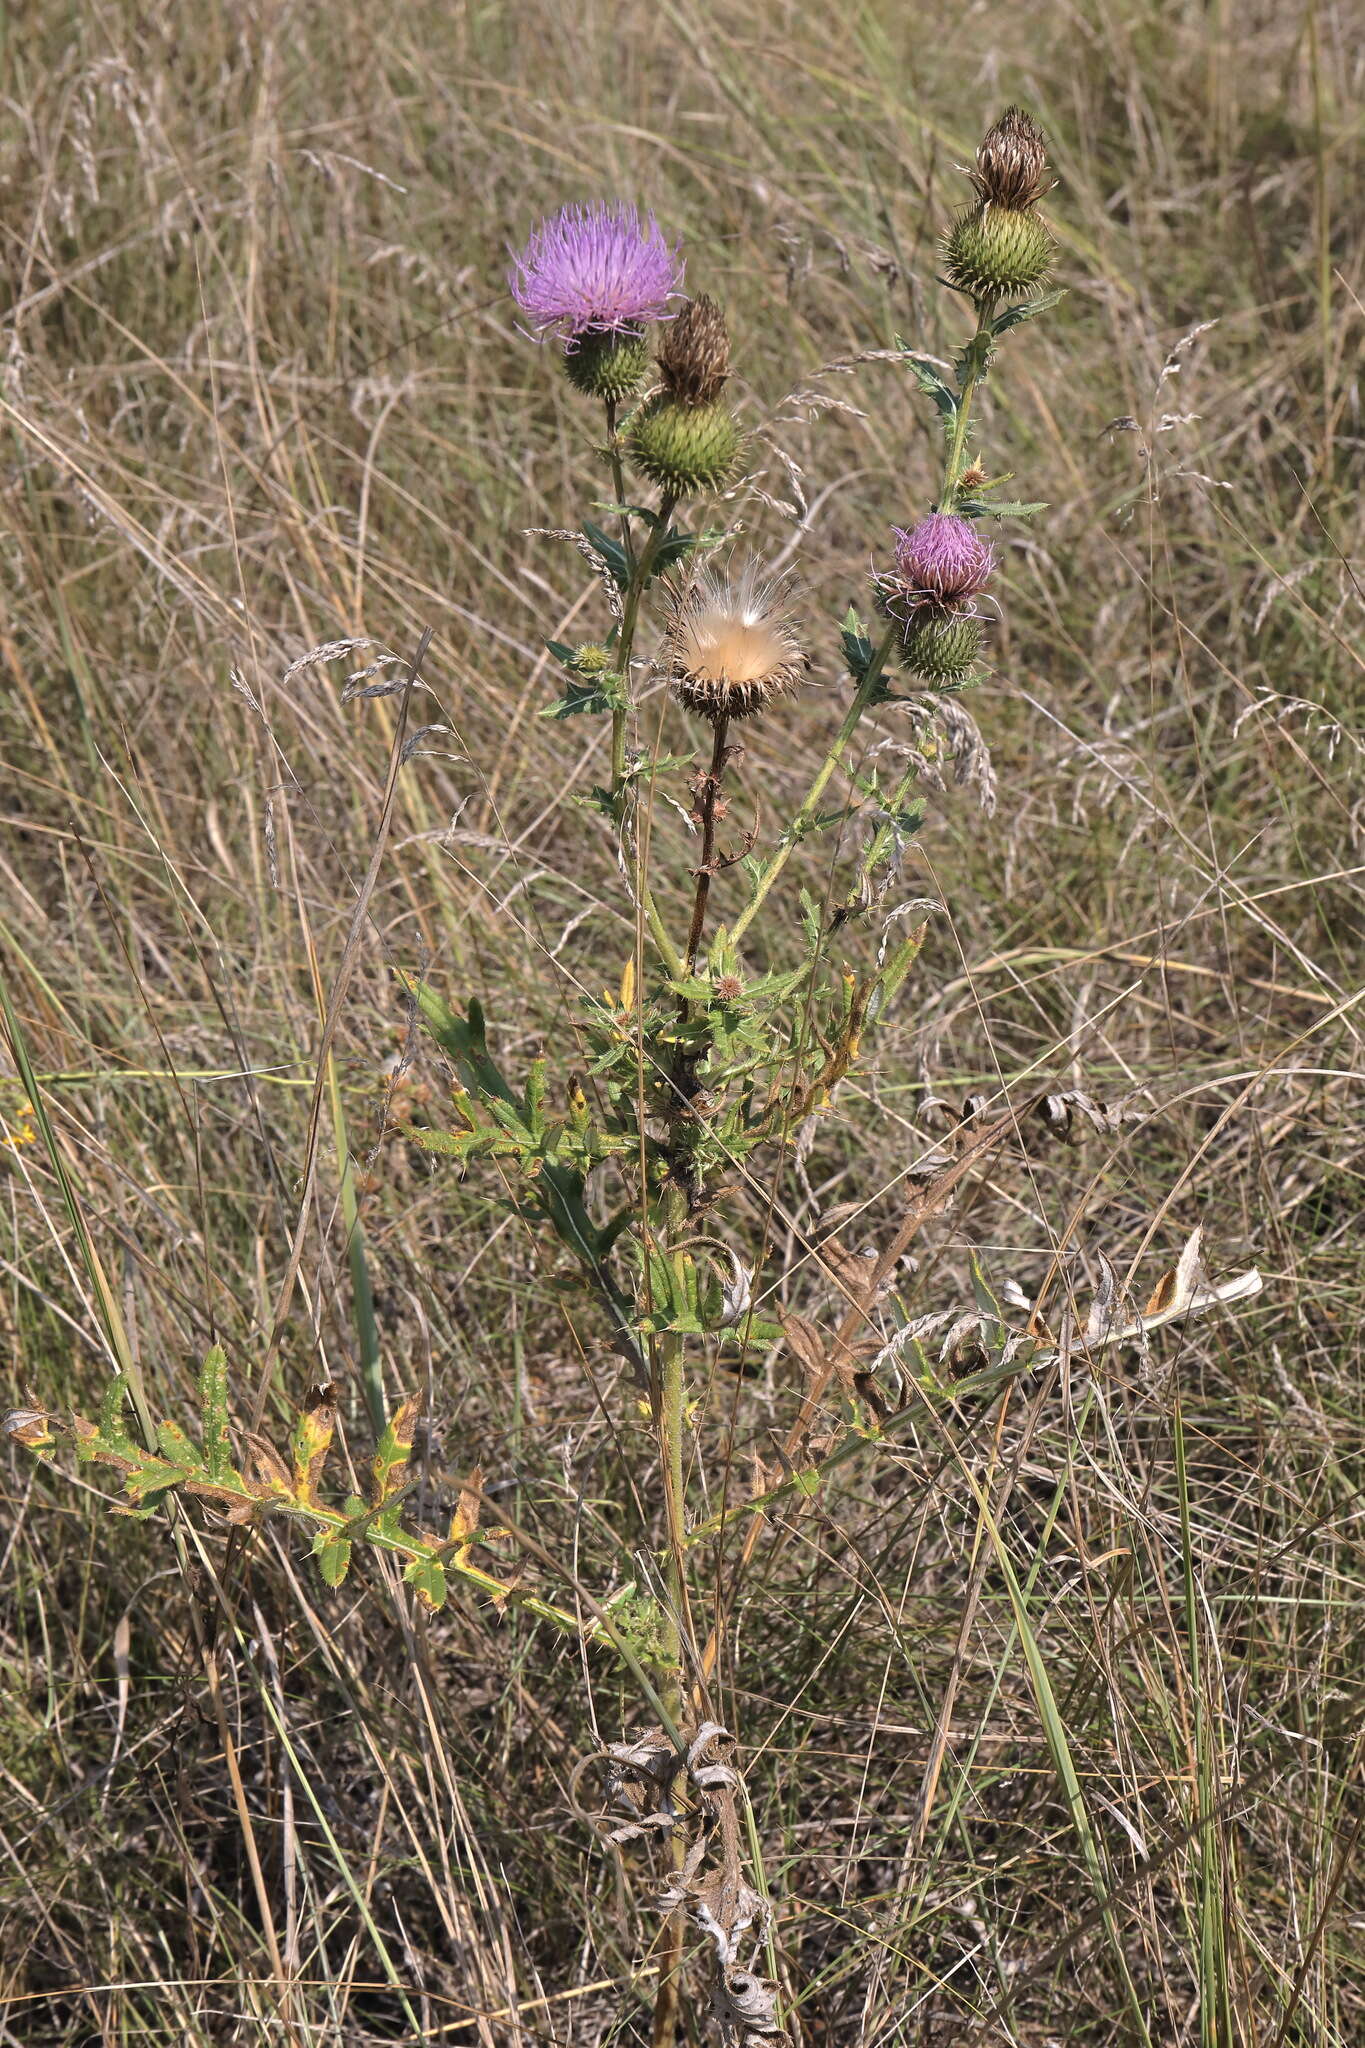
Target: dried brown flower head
694 357
1011 164
732 647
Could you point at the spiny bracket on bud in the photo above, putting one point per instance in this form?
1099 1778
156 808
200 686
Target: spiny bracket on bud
694 356
1011 162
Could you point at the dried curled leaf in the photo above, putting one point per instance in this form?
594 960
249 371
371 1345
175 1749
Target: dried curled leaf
312 1439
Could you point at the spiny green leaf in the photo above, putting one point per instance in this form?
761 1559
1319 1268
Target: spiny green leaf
391 1457
590 698
857 647
612 553
311 1440
177 1448
1026 309
333 1553
427 1577
931 383
113 1429
213 1409
990 508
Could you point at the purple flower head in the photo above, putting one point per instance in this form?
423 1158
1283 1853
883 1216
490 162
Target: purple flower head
595 270
945 558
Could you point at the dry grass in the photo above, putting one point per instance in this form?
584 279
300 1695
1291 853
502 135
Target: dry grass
261 393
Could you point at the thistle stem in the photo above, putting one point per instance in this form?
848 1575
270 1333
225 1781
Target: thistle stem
797 829
671 1417
977 350
710 790
877 846
618 478
625 645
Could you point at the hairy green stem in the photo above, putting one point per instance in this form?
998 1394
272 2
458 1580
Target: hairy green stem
877 846
957 449
796 831
625 645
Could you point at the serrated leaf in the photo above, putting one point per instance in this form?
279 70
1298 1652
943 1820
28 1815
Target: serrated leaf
462 1039
612 553
908 820
427 1577
857 647
672 548
394 1449
1008 508
931 383
588 699
311 1441
752 1333
213 1410
1026 309
113 1429
333 1553
450 1144
176 1448
464 1522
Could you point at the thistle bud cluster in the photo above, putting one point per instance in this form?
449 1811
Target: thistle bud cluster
1002 246
685 438
594 276
939 570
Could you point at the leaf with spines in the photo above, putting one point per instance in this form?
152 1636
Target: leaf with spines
217 1455
1005 508
311 1440
858 649
113 1426
1026 309
589 698
391 1456
612 553
427 1577
932 384
149 1479
333 1553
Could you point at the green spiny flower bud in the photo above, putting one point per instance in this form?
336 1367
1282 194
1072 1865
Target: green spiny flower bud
685 448
994 252
940 645
591 659
607 365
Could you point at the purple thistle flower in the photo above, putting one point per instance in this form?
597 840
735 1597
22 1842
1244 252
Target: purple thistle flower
595 269
944 558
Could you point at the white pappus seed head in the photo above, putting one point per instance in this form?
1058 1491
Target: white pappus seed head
732 644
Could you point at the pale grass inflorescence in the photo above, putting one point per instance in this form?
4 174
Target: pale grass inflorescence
677 1214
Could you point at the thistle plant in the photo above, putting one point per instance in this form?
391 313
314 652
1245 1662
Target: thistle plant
652 1161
